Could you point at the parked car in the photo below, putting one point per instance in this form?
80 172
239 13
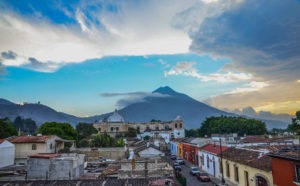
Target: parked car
194 171
177 167
202 176
180 161
173 157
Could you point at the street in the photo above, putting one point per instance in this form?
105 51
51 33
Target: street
191 180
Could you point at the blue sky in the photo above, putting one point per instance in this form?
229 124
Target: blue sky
229 54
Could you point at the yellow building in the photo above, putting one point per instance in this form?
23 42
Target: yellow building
246 167
180 150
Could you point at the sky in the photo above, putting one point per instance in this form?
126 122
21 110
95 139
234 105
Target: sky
86 57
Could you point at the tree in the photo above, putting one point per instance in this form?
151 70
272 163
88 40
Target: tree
191 132
240 125
102 140
295 126
7 129
63 130
131 132
26 126
85 130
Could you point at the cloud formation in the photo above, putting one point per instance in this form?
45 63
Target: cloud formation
132 97
249 111
188 69
90 29
263 39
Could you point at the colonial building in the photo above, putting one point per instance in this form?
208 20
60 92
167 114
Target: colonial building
28 145
246 167
209 160
286 166
115 125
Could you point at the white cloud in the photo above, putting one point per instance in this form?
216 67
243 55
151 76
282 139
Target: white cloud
188 69
249 87
142 29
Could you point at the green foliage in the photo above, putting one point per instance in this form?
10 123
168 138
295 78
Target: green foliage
224 124
7 129
131 132
154 120
85 130
192 133
104 140
26 126
295 126
63 130
83 143
146 138
298 115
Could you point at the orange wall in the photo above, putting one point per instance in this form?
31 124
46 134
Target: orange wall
283 172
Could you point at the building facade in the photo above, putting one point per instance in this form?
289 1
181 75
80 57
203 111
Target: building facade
209 160
7 153
55 166
115 125
286 167
246 167
28 145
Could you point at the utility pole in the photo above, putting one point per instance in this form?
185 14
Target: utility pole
223 181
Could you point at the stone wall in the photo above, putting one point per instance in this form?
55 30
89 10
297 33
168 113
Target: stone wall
116 153
145 169
61 168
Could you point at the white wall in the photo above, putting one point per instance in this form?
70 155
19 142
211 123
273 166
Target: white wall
211 160
7 154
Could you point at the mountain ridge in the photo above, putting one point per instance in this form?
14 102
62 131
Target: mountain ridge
164 108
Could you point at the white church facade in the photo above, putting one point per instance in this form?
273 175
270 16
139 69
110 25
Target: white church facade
115 125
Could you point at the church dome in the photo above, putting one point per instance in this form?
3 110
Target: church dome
177 118
115 117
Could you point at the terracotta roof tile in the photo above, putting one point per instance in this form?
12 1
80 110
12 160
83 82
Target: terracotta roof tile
214 149
247 157
45 155
30 139
1 141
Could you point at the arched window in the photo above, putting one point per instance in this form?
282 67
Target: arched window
111 129
261 181
51 146
176 125
33 147
99 129
180 125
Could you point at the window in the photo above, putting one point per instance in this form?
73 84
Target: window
99 129
236 173
246 178
167 127
111 129
51 146
33 147
117 128
176 125
180 125
207 159
297 173
220 166
227 170
156 128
